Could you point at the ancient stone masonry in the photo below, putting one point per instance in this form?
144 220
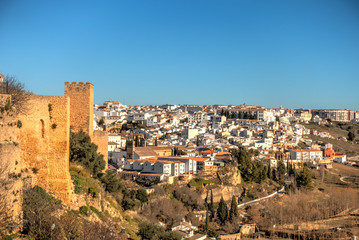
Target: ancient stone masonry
81 106
44 143
100 138
14 173
81 114
41 135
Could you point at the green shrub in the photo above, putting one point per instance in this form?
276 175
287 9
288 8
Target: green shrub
77 182
84 210
97 212
94 192
84 152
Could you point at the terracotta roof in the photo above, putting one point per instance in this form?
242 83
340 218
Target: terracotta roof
224 153
306 150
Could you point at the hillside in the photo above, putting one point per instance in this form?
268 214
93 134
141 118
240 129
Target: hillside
338 130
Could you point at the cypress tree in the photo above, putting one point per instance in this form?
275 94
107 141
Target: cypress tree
222 211
211 204
233 213
207 222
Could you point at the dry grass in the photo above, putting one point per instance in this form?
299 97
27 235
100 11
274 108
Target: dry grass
334 130
344 170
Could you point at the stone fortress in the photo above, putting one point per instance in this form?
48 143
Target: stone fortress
43 138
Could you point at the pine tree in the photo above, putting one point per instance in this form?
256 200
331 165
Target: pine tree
233 212
304 179
222 211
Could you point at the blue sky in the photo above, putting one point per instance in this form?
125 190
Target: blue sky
294 53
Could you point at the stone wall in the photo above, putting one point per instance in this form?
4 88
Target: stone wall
81 106
100 138
15 176
44 143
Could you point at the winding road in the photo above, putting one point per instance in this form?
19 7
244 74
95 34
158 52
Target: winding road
262 198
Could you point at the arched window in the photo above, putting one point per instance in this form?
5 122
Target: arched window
42 128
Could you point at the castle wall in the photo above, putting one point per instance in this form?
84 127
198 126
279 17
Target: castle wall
81 106
100 138
44 143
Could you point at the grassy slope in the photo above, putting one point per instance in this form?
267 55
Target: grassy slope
336 129
339 146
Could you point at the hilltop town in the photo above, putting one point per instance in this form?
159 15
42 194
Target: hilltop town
173 171
141 136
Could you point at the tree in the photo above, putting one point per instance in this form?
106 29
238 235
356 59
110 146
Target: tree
351 136
112 182
170 236
38 210
211 205
150 231
84 152
233 212
269 172
281 171
304 179
168 211
101 122
222 211
19 96
142 195
207 222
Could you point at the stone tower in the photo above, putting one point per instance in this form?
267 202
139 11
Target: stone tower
81 106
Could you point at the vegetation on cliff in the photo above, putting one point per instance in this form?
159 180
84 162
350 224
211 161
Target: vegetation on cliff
84 152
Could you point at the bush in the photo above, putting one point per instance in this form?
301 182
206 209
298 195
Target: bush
142 195
165 210
94 192
77 183
189 198
112 182
84 152
38 214
84 210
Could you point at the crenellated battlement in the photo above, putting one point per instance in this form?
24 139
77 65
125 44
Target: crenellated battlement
79 87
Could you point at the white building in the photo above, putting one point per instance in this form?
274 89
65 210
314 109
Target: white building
306 155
